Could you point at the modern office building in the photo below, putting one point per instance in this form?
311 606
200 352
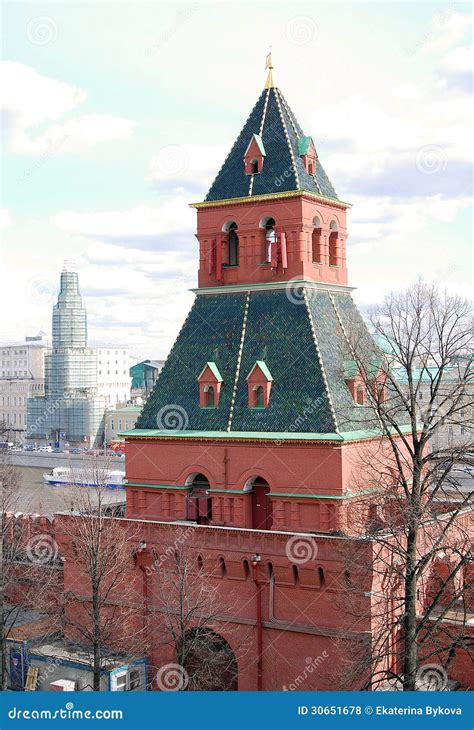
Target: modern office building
21 377
71 409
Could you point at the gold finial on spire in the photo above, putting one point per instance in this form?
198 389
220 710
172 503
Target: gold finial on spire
268 64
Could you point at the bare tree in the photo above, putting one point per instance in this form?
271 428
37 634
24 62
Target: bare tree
418 512
101 600
193 612
28 564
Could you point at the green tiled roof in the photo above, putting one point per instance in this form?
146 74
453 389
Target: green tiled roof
273 123
302 346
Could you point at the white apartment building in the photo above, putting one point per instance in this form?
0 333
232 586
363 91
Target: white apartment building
113 374
21 377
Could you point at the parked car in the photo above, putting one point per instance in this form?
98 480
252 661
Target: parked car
48 449
28 447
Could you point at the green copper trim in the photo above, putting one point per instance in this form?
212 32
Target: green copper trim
154 486
257 435
263 367
271 285
347 495
303 145
214 370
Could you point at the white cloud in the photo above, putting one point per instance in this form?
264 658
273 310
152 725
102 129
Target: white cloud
31 100
447 28
459 59
173 215
5 219
187 166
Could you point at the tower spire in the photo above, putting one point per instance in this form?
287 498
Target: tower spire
268 64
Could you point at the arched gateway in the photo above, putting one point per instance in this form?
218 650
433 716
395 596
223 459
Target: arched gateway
209 661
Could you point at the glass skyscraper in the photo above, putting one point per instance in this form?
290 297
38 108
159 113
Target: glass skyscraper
70 410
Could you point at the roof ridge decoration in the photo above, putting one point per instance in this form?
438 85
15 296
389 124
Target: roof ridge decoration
320 360
272 119
285 130
351 349
239 361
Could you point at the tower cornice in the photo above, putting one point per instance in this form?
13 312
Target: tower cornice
252 199
271 286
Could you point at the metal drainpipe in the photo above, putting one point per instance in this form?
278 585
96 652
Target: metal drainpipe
140 555
255 562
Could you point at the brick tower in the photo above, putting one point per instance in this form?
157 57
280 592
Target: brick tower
255 427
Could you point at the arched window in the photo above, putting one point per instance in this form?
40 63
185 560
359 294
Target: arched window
246 569
233 259
310 167
254 166
321 577
296 577
199 502
360 395
270 570
259 397
200 562
333 235
210 397
268 224
222 568
316 241
262 508
347 579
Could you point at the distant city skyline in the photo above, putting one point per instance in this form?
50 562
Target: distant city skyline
107 144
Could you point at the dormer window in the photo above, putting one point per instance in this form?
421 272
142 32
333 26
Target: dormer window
307 152
210 384
259 384
354 382
254 156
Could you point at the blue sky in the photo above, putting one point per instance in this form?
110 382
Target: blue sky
117 115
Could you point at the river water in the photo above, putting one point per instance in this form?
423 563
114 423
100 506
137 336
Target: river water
35 496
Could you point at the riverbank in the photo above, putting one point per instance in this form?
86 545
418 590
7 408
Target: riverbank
45 460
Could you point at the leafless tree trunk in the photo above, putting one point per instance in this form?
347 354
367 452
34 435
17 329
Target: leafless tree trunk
103 600
421 383
192 615
35 559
